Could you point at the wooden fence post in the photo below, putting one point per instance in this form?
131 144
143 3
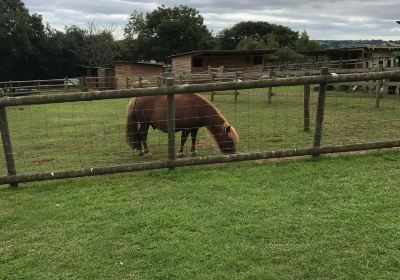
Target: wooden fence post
270 95
171 123
236 91
65 85
212 81
378 87
140 82
307 105
320 111
7 146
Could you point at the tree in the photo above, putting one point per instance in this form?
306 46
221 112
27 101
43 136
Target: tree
93 46
166 31
284 54
229 38
250 44
16 32
305 44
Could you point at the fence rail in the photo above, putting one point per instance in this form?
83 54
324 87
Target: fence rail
325 78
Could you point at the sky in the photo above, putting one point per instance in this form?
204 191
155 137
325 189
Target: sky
323 20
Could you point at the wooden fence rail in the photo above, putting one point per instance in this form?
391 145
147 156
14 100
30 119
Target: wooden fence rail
13 178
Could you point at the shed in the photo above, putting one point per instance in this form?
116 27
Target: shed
202 60
128 72
98 78
358 57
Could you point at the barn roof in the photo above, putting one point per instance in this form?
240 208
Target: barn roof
157 64
224 52
367 48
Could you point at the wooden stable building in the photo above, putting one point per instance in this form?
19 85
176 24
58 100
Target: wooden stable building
202 60
129 74
354 58
98 78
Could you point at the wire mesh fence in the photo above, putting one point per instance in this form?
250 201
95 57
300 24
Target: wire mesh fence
53 137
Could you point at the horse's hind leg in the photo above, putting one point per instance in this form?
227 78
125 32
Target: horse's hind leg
184 136
193 135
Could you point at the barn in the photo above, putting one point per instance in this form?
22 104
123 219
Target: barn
127 73
98 78
202 60
359 57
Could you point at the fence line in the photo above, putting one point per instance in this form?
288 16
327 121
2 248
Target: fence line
185 89
13 178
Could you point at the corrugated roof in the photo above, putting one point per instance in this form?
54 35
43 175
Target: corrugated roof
367 48
225 52
158 64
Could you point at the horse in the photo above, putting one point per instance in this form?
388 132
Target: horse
191 113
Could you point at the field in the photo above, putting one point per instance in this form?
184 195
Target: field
310 218
328 218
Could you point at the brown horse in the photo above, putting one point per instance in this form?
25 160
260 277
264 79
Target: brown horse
191 113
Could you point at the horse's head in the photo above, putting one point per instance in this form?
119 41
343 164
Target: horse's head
227 138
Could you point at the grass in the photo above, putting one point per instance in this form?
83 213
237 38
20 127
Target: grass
326 218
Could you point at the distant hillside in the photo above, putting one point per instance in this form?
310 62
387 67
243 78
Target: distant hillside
326 44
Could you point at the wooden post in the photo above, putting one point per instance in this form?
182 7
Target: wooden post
212 81
307 105
320 111
7 146
378 89
236 91
127 82
140 82
171 123
66 85
158 81
270 90
270 95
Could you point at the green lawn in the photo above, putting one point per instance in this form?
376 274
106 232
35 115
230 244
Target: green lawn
326 218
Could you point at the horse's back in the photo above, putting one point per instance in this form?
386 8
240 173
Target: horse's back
190 109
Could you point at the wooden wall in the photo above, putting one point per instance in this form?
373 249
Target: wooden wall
183 64
127 74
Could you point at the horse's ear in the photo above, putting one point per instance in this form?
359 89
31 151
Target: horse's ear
228 129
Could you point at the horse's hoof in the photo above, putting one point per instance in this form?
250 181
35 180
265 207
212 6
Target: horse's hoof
194 154
180 155
140 153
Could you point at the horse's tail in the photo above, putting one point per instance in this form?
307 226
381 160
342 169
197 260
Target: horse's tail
132 126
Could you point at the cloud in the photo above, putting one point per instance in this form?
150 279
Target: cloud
337 19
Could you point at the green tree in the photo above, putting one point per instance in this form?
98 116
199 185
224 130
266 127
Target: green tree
229 38
250 44
16 30
305 44
284 54
166 31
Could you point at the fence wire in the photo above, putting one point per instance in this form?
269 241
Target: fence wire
93 133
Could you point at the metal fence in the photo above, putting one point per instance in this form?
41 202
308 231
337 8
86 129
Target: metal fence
42 125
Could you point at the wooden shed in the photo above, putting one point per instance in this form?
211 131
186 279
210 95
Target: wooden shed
200 61
127 73
359 57
98 78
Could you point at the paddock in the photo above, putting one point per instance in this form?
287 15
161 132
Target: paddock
52 139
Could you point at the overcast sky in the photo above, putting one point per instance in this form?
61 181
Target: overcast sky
336 19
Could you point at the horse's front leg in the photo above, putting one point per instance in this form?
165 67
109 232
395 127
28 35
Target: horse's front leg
193 135
144 130
184 136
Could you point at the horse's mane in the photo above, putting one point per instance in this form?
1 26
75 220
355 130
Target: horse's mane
232 132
